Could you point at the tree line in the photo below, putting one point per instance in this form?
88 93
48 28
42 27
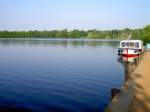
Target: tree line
143 33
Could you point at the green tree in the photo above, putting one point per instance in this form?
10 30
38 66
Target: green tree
146 34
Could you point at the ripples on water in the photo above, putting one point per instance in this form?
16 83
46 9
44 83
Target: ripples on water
50 75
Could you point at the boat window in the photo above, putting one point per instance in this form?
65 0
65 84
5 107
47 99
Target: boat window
127 44
130 44
123 44
137 45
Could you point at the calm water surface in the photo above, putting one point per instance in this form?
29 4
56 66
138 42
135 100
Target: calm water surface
58 75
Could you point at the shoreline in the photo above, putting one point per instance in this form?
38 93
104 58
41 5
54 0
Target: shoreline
135 91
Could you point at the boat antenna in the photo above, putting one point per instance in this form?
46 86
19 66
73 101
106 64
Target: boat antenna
129 36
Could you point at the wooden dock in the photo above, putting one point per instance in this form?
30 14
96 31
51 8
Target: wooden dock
135 92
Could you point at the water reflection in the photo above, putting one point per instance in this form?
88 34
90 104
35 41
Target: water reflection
60 42
128 60
129 64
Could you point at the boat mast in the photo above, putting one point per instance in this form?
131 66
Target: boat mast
129 36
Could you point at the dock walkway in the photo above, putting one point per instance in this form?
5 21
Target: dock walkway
135 92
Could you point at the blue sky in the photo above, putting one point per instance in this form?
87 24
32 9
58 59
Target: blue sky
73 14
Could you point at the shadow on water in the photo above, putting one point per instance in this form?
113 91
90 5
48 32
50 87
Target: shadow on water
14 109
21 109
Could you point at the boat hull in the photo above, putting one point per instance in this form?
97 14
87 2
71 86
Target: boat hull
130 55
130 52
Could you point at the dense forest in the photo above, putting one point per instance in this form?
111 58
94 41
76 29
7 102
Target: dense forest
143 34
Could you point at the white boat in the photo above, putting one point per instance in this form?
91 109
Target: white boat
130 48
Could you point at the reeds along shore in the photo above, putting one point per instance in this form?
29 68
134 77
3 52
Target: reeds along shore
135 92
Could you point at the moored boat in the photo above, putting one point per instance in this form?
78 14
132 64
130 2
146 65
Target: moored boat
130 48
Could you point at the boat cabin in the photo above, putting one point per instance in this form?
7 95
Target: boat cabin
133 44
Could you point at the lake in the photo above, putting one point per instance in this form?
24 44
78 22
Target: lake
58 75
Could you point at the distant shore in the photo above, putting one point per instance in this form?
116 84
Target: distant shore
142 34
135 92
